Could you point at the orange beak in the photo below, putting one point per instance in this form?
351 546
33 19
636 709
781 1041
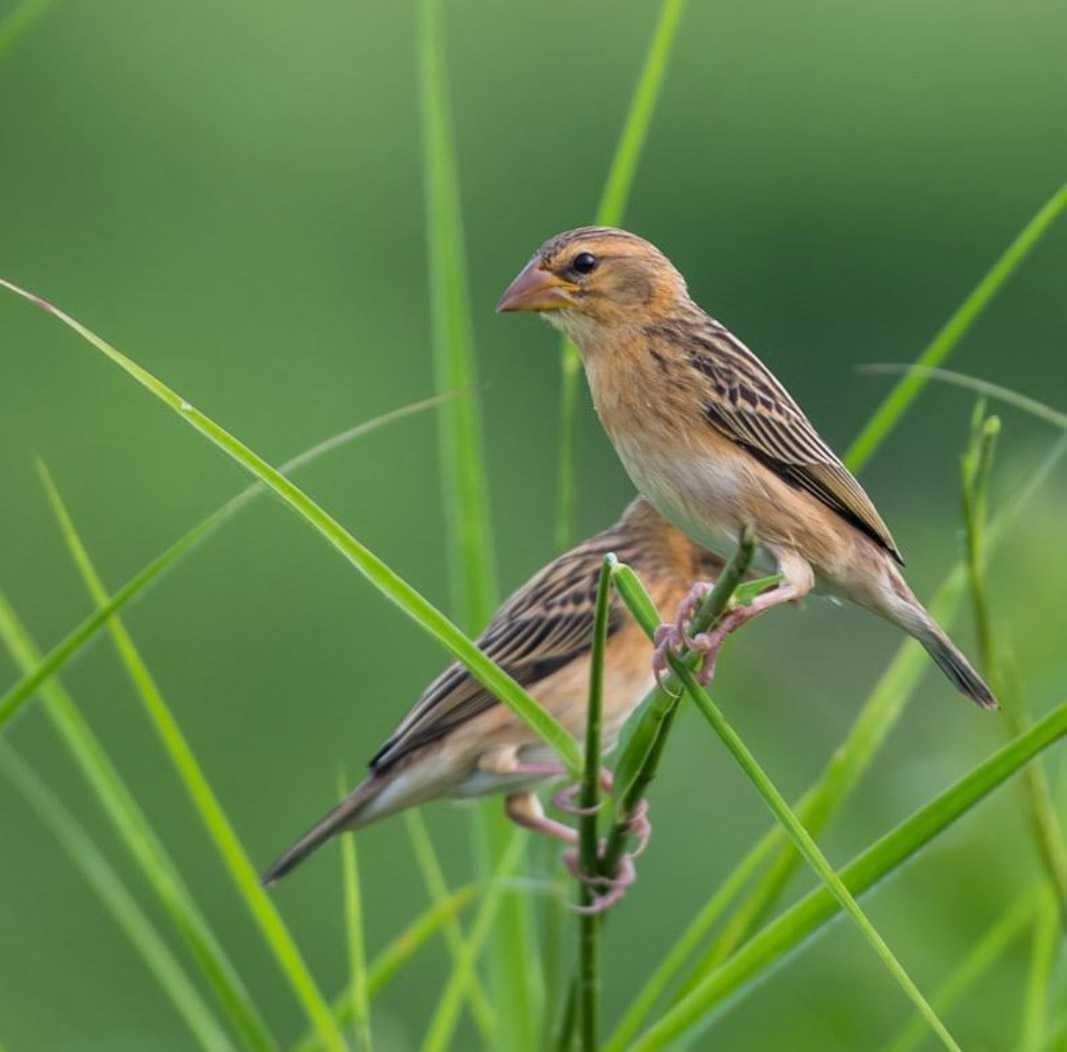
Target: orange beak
536 289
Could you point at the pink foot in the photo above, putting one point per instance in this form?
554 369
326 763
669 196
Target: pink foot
564 799
615 886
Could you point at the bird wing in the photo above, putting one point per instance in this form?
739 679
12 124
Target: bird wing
542 627
747 404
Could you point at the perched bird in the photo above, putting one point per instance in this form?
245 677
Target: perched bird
460 741
715 442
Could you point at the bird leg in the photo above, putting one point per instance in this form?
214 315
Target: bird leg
564 799
525 810
710 643
672 637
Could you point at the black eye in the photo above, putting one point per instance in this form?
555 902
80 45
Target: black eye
584 263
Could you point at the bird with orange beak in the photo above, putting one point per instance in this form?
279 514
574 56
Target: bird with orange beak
716 443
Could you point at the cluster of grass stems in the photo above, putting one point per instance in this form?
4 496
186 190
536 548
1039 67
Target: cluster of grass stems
729 944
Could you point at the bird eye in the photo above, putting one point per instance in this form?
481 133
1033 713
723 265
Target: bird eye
584 263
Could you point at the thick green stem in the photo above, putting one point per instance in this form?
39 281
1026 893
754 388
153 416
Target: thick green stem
589 801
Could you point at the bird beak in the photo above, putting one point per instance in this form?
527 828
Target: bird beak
536 289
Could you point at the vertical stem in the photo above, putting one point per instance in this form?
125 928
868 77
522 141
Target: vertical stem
589 800
975 470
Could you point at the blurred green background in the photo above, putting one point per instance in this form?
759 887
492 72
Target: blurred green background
232 194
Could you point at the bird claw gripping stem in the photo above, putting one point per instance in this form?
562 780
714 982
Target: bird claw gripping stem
615 887
564 799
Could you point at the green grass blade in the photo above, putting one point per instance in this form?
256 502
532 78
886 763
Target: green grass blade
390 584
357 960
610 212
848 762
975 471
983 387
393 957
802 839
896 403
471 563
137 835
589 981
986 952
1046 937
22 691
814 912
203 798
16 23
433 878
119 902
443 1022
466 495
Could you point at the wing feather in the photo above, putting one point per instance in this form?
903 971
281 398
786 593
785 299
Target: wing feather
542 627
746 403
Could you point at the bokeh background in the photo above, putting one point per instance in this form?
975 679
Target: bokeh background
232 194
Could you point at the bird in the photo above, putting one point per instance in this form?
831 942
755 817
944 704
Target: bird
712 438
460 741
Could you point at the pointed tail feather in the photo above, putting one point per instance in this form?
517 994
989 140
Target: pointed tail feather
951 661
335 821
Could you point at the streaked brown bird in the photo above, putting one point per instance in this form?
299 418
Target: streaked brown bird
460 741
715 442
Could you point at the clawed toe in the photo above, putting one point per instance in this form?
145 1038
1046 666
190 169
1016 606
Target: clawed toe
615 887
640 828
564 801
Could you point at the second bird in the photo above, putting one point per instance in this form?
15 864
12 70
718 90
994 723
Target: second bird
709 435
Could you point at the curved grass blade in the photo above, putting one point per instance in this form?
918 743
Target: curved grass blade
16 23
814 912
119 902
609 213
357 960
846 766
896 403
139 838
1046 937
801 838
986 952
389 583
395 955
471 563
443 1022
206 803
982 387
975 471
433 878
83 633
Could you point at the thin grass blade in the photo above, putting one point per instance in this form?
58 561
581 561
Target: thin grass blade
393 957
389 583
1046 937
433 878
118 901
357 961
814 912
802 839
610 212
205 802
896 403
443 1022
987 389
985 954
137 835
83 633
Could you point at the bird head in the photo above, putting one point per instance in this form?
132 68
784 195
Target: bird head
596 276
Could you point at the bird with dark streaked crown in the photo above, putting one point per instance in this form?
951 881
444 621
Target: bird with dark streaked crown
716 443
460 741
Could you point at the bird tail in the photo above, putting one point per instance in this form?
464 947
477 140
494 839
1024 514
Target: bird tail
951 660
342 816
